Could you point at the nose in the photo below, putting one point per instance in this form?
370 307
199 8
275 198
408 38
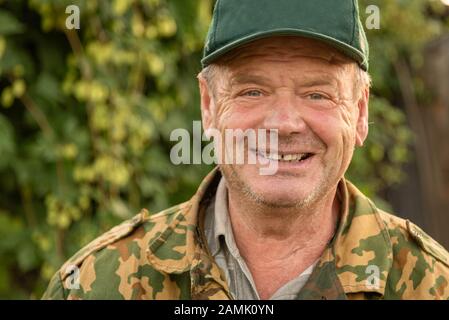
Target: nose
285 115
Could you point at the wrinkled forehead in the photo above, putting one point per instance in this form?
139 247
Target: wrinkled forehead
285 48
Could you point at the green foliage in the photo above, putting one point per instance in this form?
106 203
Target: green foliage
84 130
378 163
86 117
405 28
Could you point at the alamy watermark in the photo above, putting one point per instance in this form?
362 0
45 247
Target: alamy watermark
73 20
372 21
373 280
235 146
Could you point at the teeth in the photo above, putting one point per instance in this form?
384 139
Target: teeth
272 156
285 157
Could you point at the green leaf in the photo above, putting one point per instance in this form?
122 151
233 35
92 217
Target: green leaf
7 142
9 24
120 209
27 257
48 88
16 56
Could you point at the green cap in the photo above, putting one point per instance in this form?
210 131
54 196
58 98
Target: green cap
335 22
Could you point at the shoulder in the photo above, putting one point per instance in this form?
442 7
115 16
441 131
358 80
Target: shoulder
141 228
405 230
420 266
113 255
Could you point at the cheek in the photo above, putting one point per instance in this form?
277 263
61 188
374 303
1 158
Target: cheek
349 126
325 125
233 116
335 128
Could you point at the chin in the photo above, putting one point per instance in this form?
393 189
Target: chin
279 195
277 191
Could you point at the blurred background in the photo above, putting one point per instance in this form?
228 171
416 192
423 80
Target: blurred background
86 116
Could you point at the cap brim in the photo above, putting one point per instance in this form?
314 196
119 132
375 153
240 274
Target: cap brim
353 53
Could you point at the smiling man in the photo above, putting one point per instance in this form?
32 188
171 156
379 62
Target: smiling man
299 68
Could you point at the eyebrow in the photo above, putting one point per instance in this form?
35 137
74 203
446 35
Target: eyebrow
249 78
306 82
321 80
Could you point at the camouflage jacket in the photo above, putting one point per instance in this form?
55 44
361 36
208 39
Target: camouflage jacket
373 255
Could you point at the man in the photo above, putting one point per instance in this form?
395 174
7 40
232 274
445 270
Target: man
298 67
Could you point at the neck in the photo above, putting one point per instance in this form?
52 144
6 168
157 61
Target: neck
288 232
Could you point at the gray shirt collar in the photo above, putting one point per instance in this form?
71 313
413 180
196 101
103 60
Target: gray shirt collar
220 238
218 222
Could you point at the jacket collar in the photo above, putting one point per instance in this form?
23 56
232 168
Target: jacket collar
362 246
207 279
360 255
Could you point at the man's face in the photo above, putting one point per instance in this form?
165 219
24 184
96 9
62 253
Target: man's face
306 91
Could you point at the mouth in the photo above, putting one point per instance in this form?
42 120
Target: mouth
286 157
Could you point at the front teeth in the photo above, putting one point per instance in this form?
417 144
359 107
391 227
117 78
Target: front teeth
273 156
285 157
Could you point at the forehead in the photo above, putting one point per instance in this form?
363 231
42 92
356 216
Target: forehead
286 49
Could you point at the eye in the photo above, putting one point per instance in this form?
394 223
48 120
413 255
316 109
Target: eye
316 96
252 93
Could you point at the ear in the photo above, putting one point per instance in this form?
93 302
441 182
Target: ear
207 103
362 121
